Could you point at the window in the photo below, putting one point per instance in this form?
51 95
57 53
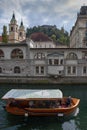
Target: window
50 61
61 62
60 72
17 70
39 56
20 34
1 54
43 56
56 61
73 69
37 69
71 56
84 70
17 54
69 70
16 29
42 70
12 28
0 70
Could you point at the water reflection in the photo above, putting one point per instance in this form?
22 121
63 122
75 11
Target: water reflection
38 123
71 125
35 123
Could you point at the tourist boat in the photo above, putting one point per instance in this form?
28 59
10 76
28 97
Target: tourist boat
29 102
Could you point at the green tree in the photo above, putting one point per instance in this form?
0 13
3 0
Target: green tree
4 35
58 35
53 37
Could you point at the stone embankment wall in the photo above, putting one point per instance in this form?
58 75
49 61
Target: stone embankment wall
44 80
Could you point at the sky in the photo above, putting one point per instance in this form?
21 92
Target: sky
62 13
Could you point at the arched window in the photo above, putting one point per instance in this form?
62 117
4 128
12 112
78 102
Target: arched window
0 70
17 70
72 56
12 28
39 56
20 34
1 54
17 54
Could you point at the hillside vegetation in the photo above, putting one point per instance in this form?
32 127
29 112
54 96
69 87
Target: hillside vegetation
58 35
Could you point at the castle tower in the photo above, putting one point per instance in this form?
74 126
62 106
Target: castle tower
22 33
13 30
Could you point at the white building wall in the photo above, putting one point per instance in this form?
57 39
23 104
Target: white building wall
55 70
28 64
44 45
7 51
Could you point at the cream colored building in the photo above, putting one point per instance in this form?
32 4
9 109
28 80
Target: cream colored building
16 33
78 34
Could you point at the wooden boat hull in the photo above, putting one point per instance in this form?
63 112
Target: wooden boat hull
60 112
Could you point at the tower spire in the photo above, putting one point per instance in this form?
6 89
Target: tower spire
21 23
13 29
13 16
22 34
13 20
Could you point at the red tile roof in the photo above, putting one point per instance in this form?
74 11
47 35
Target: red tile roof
40 37
0 38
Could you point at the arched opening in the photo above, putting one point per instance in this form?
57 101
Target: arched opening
17 54
72 56
20 34
12 29
1 54
17 70
39 56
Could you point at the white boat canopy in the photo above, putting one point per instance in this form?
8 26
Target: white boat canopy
30 93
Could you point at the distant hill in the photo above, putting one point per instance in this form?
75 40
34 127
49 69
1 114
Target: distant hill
58 35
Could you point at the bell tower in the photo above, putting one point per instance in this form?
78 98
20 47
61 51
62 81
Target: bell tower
22 33
13 30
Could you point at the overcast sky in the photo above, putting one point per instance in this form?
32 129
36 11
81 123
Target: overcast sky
41 12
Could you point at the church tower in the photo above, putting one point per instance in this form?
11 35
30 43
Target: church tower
22 33
13 30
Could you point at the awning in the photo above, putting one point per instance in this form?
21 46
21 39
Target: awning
29 93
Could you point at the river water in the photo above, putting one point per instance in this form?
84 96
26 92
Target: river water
10 122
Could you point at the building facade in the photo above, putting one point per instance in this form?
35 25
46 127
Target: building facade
20 60
38 56
78 34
